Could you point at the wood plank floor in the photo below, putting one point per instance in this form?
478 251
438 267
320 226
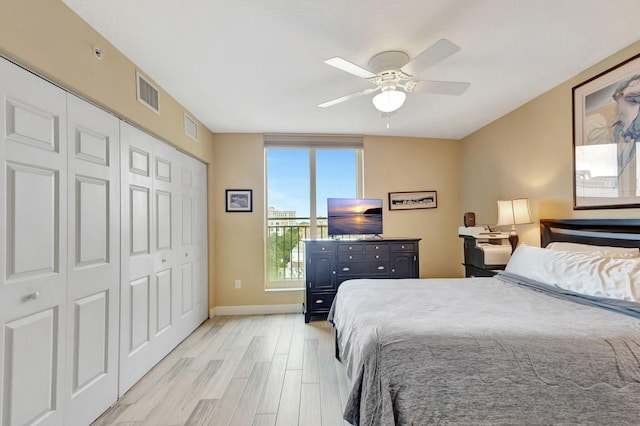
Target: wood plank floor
242 370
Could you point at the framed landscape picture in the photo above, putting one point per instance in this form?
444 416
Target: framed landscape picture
413 200
239 200
606 132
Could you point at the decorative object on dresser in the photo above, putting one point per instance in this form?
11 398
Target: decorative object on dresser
330 262
413 200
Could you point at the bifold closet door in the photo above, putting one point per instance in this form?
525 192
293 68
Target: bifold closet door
93 262
33 236
137 292
193 245
201 291
186 254
163 266
165 260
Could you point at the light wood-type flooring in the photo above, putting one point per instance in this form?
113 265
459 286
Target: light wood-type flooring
242 370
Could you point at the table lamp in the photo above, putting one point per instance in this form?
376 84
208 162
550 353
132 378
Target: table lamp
513 212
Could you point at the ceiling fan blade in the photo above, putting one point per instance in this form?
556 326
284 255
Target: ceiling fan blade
437 52
455 88
350 67
346 98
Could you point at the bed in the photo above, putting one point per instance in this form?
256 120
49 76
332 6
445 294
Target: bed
524 347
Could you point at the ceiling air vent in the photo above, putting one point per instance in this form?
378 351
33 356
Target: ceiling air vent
190 127
148 94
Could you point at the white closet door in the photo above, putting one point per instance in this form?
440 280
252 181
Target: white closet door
93 262
165 267
201 293
33 229
186 248
137 291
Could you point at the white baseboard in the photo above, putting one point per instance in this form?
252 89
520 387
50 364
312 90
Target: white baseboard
295 308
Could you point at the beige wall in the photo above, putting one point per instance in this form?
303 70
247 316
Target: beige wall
48 38
528 153
390 164
413 164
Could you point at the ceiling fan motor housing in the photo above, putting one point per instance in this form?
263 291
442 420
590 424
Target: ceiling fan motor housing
392 60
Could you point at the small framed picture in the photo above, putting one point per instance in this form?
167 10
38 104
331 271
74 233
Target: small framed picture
239 200
413 200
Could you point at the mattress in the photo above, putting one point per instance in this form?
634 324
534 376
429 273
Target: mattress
483 351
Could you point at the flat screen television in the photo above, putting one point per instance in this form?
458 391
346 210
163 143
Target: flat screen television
354 216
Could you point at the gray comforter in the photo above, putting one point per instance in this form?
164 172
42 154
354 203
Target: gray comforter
483 351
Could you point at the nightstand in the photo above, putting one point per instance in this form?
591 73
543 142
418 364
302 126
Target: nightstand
475 271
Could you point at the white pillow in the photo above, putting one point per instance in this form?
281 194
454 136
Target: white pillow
605 251
614 278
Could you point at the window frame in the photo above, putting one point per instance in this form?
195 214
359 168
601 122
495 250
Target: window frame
312 144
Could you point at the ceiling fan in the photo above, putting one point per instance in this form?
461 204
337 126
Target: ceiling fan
394 75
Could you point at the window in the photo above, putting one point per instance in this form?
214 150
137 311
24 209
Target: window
300 177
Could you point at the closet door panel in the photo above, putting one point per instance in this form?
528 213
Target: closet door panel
138 295
186 247
33 267
31 381
93 261
167 280
201 282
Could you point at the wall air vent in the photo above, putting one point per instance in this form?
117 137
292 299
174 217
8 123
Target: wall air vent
190 127
148 94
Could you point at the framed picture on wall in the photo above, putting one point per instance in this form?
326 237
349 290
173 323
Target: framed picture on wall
239 200
413 200
606 132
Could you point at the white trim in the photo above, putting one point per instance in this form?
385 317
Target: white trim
295 308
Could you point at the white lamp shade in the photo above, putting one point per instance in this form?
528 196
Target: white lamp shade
389 100
514 212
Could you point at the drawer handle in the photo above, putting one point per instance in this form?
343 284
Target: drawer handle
377 247
319 301
403 246
346 269
350 247
381 268
350 257
322 248
377 256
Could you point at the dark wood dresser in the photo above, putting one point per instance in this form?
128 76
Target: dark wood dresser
330 262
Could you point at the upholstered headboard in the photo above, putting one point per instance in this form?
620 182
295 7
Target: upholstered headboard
601 232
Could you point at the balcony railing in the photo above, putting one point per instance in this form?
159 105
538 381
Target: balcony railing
285 249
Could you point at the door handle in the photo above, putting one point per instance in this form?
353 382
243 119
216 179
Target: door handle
33 296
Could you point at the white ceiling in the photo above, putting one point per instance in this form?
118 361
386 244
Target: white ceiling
256 66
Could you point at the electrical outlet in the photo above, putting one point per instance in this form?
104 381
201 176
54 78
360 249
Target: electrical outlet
238 284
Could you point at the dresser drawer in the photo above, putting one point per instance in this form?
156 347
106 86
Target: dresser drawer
403 247
363 268
373 257
375 247
350 257
320 301
349 248
320 248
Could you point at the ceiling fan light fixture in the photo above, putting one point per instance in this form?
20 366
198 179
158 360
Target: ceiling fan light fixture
389 100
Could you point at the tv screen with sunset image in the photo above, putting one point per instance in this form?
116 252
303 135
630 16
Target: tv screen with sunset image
354 216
